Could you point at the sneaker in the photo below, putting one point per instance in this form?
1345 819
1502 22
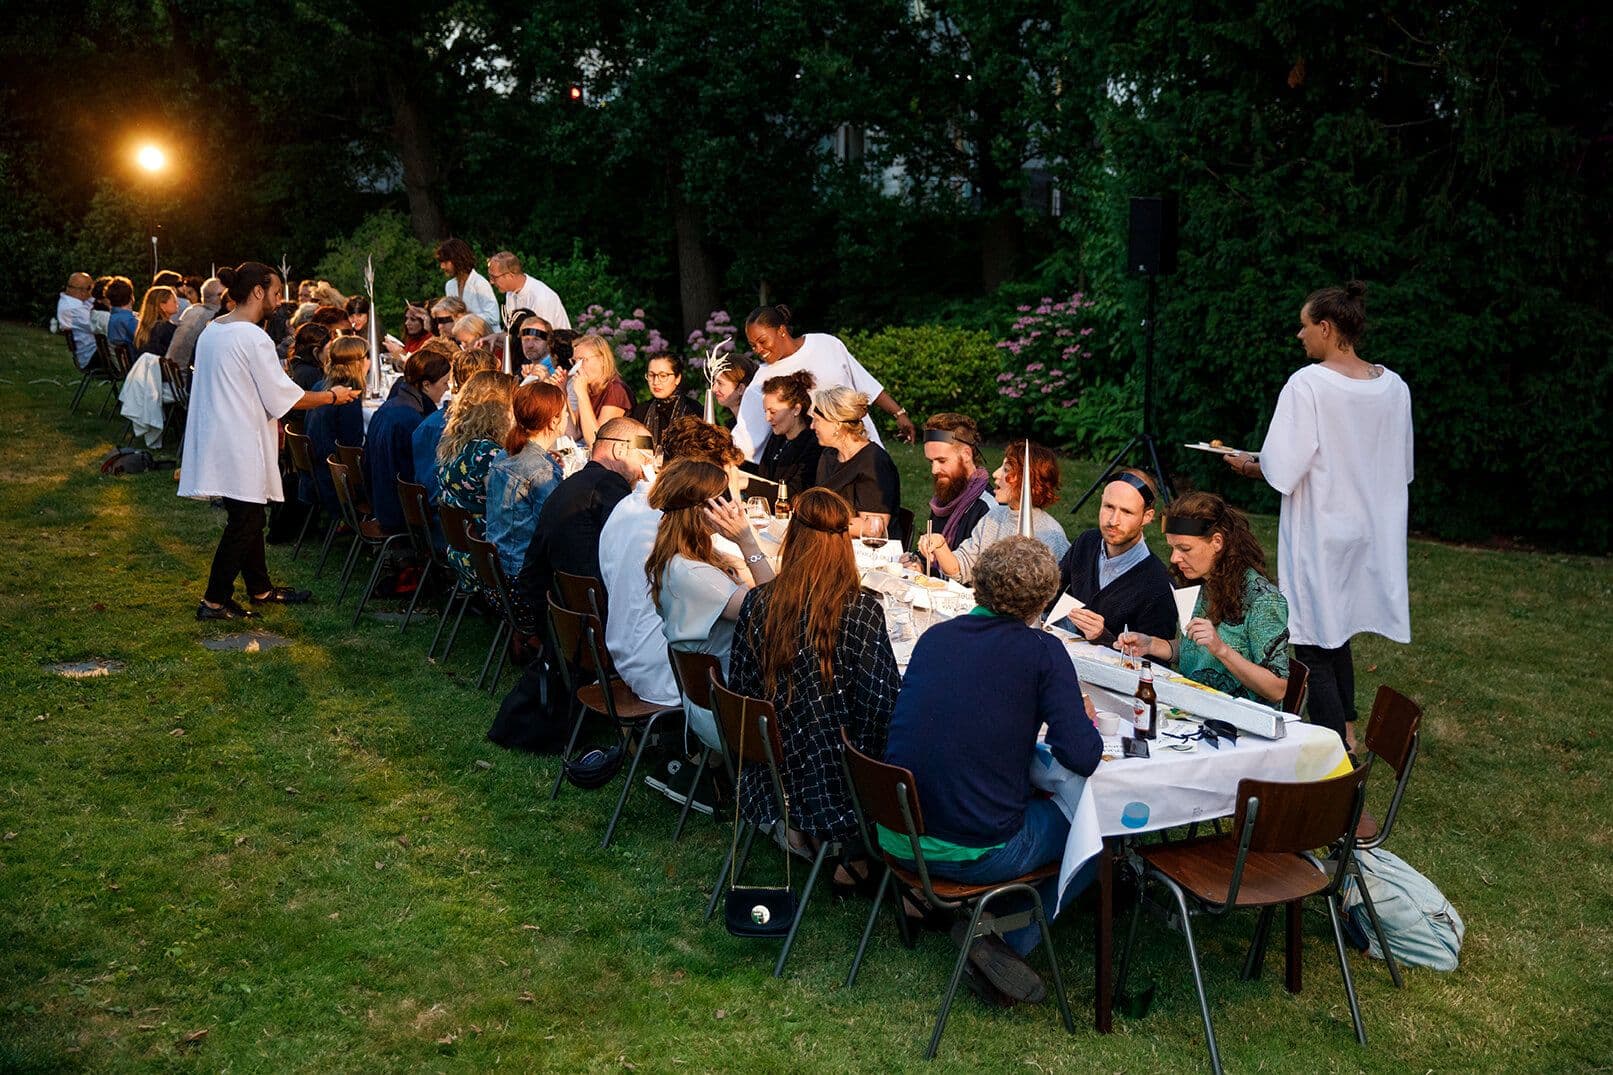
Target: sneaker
229 610
1003 967
663 779
676 782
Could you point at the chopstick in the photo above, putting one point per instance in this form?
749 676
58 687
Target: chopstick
928 525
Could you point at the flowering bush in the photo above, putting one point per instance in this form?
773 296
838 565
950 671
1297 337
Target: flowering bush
631 338
1051 382
719 327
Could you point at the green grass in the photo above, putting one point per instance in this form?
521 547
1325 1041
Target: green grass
302 852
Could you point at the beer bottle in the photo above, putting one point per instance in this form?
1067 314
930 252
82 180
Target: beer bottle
1145 707
781 506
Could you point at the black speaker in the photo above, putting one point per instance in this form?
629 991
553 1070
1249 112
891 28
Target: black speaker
1152 249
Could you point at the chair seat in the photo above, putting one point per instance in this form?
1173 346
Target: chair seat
1367 828
372 529
629 706
958 890
1204 868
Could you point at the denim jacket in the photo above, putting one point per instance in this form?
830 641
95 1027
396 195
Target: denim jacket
517 486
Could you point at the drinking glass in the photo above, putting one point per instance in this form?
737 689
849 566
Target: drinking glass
873 527
756 508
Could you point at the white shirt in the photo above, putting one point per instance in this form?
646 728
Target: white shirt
540 298
232 447
633 633
73 315
830 364
478 297
1339 450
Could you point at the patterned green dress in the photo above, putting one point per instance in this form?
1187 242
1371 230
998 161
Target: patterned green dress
462 482
1262 637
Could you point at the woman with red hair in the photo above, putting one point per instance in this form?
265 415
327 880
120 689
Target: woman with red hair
523 475
1003 520
813 643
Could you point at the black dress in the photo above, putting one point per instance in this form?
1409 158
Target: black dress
792 461
868 480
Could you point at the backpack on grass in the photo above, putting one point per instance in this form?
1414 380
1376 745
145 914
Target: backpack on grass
1421 926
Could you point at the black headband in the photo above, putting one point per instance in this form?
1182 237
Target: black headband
637 440
1188 526
946 436
1137 484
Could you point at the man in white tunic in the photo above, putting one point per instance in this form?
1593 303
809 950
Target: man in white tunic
238 394
1339 450
523 292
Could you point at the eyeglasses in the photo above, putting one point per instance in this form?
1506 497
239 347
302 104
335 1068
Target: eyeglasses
442 320
653 376
535 333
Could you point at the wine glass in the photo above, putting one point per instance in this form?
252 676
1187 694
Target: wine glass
874 531
756 508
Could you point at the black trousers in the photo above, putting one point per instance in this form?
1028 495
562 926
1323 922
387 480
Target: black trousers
240 552
1331 701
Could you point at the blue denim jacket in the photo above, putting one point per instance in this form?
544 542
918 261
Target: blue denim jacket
517 486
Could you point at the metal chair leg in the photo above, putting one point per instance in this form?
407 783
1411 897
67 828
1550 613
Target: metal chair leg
952 983
324 550
503 658
1053 961
571 744
1344 969
632 770
747 833
801 908
487 662
1131 939
448 647
868 928
1255 961
447 611
348 565
420 585
1198 975
683 815
375 577
307 519
1377 927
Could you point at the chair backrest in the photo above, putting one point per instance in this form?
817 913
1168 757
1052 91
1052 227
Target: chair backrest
880 789
456 527
416 517
579 640
760 722
581 591
694 672
354 458
342 478
1299 674
904 522
174 377
122 361
1392 730
302 453
1278 817
103 353
490 573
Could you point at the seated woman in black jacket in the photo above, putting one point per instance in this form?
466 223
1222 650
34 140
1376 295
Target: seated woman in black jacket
851 464
668 401
790 452
306 363
336 423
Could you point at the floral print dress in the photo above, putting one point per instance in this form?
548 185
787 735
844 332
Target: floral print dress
462 482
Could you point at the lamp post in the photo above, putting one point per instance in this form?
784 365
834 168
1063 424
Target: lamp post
153 161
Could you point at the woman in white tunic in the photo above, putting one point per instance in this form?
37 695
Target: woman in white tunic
1339 450
458 263
232 450
824 356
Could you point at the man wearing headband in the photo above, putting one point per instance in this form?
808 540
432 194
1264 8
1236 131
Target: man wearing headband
567 535
1111 571
962 482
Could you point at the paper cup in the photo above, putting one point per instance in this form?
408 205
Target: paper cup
1108 723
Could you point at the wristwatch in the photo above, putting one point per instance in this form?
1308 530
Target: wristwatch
755 558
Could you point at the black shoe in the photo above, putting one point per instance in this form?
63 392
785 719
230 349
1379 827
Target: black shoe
284 595
229 610
1003 967
676 782
981 986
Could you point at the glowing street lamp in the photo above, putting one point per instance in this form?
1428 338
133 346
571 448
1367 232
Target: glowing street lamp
153 160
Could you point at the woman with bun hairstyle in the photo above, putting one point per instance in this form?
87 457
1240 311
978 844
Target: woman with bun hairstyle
522 476
813 643
790 452
232 446
770 332
1237 638
1339 450
851 464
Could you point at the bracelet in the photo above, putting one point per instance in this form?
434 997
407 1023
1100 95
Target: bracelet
901 412
333 397
755 558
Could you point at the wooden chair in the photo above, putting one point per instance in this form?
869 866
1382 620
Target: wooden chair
366 535
301 450
1264 863
694 673
95 370
1393 734
758 744
116 361
579 640
176 402
354 459
490 574
1299 676
457 524
887 795
412 497
583 592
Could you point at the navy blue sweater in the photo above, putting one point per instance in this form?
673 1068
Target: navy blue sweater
977 691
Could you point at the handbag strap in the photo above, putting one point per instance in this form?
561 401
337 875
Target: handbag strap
739 773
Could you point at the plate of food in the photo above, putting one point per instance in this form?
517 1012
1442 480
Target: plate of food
1219 448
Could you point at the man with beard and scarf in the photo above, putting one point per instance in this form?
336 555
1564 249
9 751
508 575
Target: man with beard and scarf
1111 571
232 451
962 482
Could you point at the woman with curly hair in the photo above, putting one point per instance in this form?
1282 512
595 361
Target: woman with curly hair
813 643
477 425
1237 638
1002 521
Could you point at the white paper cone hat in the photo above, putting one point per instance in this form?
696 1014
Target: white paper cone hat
1027 525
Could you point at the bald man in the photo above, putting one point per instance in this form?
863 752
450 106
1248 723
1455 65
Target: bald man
182 349
73 317
1111 571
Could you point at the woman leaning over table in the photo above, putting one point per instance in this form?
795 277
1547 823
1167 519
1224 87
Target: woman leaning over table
1003 520
851 464
790 453
813 643
1237 638
1339 450
477 425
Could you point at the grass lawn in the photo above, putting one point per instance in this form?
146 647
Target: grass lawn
309 858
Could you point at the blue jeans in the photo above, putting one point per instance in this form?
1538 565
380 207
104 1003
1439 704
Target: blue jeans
1040 841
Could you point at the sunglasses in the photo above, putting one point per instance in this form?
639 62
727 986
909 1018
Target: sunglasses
535 333
442 320
1212 731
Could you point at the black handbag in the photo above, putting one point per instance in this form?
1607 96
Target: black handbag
749 911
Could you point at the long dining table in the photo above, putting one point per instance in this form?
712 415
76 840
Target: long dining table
1186 779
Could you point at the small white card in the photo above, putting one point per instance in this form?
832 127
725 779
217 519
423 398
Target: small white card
1186 598
1065 605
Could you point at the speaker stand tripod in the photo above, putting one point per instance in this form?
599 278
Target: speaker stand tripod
1145 438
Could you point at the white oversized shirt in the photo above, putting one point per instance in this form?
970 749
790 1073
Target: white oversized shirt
478 297
830 364
1339 450
73 314
540 298
232 446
